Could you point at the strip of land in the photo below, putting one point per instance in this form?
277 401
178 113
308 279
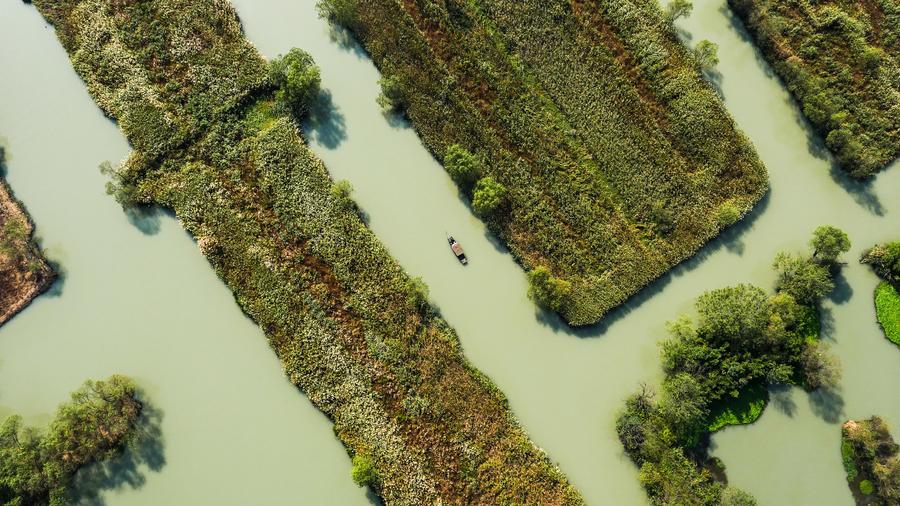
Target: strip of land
215 142
615 157
872 461
24 273
841 61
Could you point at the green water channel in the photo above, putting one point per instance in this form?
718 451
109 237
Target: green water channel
236 432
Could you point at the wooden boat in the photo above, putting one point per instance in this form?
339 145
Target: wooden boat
457 250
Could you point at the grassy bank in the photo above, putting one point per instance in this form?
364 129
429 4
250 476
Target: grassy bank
24 273
215 138
718 369
38 466
872 462
841 61
617 158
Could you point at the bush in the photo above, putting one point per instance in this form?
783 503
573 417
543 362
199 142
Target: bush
364 472
464 167
707 54
393 96
736 497
488 197
297 78
885 260
676 9
820 368
342 12
866 487
342 191
547 291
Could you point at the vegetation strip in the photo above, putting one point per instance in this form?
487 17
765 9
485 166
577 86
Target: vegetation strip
717 371
583 131
24 273
215 138
872 461
38 467
841 61
885 261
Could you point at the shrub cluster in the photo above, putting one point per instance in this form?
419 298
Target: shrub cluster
872 461
350 327
37 467
717 371
617 157
841 60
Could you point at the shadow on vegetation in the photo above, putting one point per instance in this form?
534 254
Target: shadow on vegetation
325 123
396 120
781 399
828 404
127 469
730 239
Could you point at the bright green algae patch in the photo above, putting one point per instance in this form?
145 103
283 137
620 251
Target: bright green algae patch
618 158
887 307
352 330
841 60
746 408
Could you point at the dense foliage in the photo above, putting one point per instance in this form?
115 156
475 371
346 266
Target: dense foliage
37 467
618 157
24 273
717 370
872 461
885 260
841 60
351 328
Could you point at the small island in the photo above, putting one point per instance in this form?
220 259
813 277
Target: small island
885 261
717 373
872 461
24 273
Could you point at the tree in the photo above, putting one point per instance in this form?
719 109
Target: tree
393 96
675 480
732 496
736 314
806 281
885 260
342 12
297 78
683 405
707 54
677 9
342 191
364 472
547 291
489 195
821 369
828 243
464 167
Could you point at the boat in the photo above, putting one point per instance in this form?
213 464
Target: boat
457 250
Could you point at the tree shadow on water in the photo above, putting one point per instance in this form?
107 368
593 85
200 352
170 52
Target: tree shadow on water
127 469
827 404
147 219
781 399
325 124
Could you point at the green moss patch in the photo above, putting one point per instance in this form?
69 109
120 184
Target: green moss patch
887 307
741 410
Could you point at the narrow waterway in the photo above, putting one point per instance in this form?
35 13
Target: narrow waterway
234 430
567 386
147 305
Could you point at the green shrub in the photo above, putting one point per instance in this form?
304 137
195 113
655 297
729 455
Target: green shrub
464 167
866 487
393 96
342 191
364 472
707 54
803 279
488 197
297 78
547 291
828 243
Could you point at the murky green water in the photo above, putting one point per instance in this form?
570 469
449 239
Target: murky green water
236 432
